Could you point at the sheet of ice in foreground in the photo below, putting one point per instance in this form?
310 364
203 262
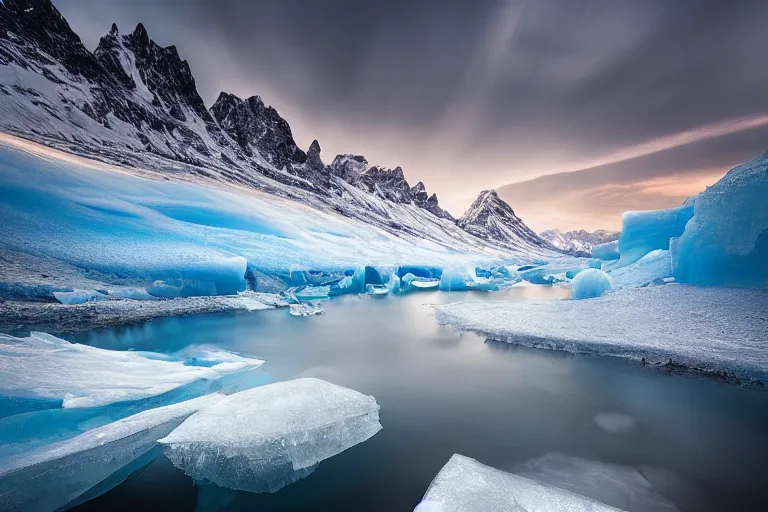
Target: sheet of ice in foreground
625 487
262 439
709 329
83 467
46 367
465 485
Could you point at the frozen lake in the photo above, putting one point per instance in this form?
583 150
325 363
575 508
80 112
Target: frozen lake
701 444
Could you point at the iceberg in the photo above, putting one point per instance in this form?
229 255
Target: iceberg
607 251
726 242
466 485
461 278
653 267
68 473
717 330
410 283
274 434
590 283
646 231
71 375
623 487
377 290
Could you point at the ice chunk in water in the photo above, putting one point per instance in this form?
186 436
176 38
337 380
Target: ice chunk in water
265 438
624 487
63 474
45 367
306 309
79 296
465 485
590 283
306 293
466 278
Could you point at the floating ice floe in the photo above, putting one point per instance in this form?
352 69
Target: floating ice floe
590 283
465 485
377 290
708 329
624 487
307 293
71 472
272 435
44 367
306 309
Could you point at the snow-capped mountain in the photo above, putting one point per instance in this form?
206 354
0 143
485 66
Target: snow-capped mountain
578 243
135 104
492 219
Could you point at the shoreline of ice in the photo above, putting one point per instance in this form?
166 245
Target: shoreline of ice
718 333
22 316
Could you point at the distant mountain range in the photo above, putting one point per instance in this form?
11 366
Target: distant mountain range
134 103
578 243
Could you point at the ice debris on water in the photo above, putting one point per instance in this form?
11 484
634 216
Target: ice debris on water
461 278
590 283
466 485
45 367
73 471
306 309
273 435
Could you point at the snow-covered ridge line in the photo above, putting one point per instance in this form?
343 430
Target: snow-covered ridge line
132 103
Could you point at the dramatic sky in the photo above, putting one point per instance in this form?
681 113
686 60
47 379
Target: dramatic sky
640 103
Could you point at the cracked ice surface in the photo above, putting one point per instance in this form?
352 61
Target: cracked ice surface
273 435
55 476
46 367
710 329
465 485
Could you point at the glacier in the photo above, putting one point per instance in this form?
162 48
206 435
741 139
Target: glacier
126 234
719 331
274 434
466 485
70 472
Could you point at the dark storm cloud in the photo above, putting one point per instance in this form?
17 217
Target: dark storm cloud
472 95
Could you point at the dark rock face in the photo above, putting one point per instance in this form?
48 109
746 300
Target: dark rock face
349 167
314 161
491 218
258 129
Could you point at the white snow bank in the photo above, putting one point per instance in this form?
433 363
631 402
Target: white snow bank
43 366
465 485
712 329
265 438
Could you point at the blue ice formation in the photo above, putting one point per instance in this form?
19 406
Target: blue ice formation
461 278
538 274
607 251
646 231
654 267
590 283
419 271
726 242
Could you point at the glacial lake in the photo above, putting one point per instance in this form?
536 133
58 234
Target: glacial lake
704 444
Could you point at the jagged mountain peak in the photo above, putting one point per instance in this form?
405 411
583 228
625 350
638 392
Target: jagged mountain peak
140 35
313 156
491 218
257 129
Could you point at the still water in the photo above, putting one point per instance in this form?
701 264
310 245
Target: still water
442 393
